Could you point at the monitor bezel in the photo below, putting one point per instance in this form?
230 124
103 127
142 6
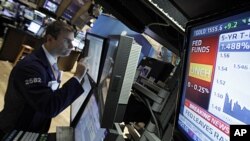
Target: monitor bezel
112 111
77 117
45 3
92 92
178 132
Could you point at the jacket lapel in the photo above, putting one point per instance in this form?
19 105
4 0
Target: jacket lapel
43 59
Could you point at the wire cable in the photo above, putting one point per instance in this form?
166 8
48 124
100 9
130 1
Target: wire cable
154 118
146 102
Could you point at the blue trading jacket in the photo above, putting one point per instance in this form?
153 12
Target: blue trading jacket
29 102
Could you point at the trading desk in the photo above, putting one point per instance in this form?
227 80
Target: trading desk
13 40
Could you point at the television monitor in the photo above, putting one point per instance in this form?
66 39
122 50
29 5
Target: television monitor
39 17
95 45
214 91
69 13
28 14
50 6
9 9
10 5
117 76
34 27
78 41
88 127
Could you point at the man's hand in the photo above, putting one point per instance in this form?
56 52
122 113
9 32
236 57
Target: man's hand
81 69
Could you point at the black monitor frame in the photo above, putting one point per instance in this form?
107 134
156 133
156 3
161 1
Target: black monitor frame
76 119
180 132
50 1
101 132
78 105
113 109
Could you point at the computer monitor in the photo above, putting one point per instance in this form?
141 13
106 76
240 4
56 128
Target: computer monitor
215 91
77 104
95 45
39 17
121 59
28 14
78 41
50 6
34 27
88 127
71 10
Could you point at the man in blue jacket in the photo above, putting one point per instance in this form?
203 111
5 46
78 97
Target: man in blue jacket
33 95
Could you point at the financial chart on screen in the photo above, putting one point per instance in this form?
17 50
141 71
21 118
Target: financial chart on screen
232 69
215 91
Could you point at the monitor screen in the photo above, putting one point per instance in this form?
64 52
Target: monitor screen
77 104
72 9
34 27
88 127
28 14
215 91
95 47
50 5
39 17
78 41
120 61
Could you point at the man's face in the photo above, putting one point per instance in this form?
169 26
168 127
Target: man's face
63 43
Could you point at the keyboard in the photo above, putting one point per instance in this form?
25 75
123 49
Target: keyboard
25 136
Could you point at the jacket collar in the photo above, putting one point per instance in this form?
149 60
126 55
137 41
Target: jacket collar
41 57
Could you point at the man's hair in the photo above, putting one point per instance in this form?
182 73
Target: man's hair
56 27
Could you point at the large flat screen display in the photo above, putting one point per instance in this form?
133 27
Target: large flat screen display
215 89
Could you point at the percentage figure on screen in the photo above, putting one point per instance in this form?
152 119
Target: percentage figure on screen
245 45
207 91
198 88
